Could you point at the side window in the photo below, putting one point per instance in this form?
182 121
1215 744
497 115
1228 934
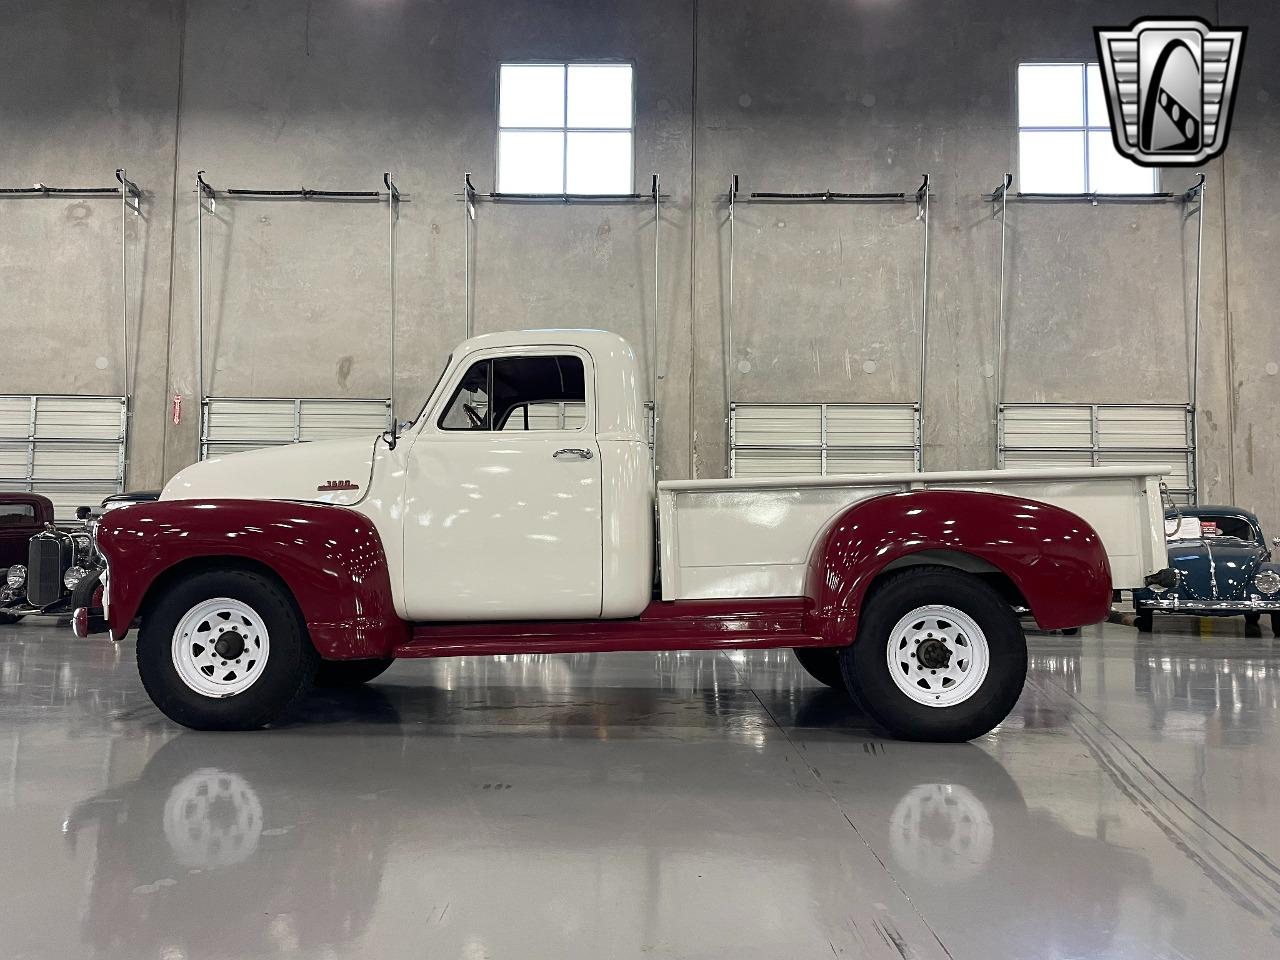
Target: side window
17 515
468 408
516 394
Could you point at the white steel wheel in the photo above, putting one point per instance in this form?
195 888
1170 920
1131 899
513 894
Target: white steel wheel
938 655
220 647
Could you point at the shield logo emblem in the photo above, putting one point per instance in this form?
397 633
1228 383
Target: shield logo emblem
1170 86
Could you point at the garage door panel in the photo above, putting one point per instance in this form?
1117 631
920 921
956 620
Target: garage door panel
1134 435
69 448
815 439
234 424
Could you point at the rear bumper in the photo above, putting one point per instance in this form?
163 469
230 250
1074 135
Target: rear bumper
1213 606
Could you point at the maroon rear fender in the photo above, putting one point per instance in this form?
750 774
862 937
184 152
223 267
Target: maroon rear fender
1053 557
331 558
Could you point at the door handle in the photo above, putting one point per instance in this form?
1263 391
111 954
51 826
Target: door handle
580 452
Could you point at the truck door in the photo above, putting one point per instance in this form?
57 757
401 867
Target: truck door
502 493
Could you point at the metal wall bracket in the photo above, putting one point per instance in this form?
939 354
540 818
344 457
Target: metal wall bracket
920 197
207 198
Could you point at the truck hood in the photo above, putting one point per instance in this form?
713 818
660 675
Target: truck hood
319 471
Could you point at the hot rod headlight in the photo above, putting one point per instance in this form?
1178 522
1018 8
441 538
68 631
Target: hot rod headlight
83 543
73 576
1268 581
16 576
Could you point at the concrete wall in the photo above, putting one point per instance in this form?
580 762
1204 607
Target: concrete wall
841 94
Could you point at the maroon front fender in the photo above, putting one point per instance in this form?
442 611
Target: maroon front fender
331 558
1054 558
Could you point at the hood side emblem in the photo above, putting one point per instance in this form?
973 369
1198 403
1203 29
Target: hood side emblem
332 486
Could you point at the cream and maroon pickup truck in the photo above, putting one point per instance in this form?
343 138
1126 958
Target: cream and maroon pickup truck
516 515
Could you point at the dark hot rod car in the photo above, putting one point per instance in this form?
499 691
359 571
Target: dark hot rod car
1224 569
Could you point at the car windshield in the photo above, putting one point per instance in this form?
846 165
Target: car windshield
434 387
1225 525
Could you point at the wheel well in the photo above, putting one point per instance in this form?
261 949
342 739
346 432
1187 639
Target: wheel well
988 572
196 565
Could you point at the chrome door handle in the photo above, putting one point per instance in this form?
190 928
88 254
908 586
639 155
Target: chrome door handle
580 452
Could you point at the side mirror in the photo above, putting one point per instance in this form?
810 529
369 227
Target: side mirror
83 513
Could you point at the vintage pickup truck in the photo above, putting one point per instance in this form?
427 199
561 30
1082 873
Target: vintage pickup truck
516 514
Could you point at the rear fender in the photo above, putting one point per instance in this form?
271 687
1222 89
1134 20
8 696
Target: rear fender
330 558
1053 558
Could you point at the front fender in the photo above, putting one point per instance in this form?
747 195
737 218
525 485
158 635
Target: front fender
1053 557
329 557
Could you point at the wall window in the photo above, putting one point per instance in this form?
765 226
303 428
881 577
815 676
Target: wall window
565 128
1064 135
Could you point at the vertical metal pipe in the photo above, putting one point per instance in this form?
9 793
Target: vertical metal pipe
392 204
199 397
728 342
124 279
1004 210
468 213
1195 347
924 314
653 333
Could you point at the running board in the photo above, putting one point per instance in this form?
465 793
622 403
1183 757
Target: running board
678 625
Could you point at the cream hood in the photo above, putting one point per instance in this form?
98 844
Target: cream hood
319 471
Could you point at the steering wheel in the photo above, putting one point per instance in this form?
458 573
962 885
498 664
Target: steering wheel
477 421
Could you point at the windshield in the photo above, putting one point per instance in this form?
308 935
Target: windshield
432 392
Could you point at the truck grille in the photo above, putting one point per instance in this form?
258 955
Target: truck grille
47 560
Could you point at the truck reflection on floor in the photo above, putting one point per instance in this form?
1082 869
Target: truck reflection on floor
264 845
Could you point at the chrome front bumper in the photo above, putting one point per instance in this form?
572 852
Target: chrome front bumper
1214 606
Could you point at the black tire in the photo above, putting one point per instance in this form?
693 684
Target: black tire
1275 624
283 680
867 670
1071 632
1253 625
1143 622
823 664
82 595
9 618
349 673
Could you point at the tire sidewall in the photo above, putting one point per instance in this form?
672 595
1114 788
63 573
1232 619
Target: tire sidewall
867 669
289 667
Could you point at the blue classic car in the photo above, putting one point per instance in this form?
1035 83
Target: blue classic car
1224 569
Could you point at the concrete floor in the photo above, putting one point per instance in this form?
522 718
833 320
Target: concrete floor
698 805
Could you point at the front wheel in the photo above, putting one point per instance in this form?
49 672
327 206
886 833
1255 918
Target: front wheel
8 618
939 656
225 650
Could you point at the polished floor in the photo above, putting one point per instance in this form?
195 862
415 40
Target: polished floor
640 805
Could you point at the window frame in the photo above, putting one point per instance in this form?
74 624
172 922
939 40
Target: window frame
464 364
564 130
1084 129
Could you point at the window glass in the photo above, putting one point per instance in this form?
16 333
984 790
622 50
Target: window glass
17 514
522 393
565 128
468 408
1064 134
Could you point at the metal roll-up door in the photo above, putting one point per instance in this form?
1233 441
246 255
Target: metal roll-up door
235 424
821 439
1102 434
69 448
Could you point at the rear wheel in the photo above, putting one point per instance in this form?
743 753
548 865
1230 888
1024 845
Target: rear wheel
8 618
823 664
349 673
1143 620
225 650
939 656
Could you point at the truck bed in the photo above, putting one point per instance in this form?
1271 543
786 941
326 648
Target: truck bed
753 537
